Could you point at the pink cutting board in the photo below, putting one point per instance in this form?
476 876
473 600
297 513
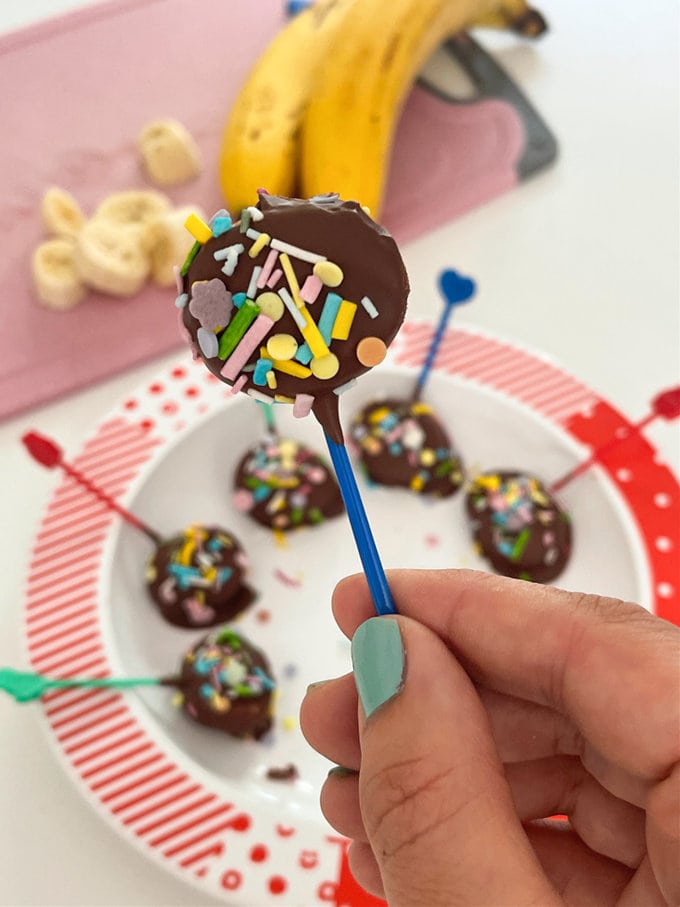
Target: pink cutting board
75 91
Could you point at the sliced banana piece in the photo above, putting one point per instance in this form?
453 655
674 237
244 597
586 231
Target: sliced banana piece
169 153
55 276
61 213
110 258
136 208
169 242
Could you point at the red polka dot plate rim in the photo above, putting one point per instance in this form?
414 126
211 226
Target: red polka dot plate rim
202 805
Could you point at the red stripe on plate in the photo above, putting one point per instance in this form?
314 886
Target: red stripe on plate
115 760
198 839
188 826
135 785
70 697
150 760
559 397
155 808
59 566
59 550
88 725
40 608
71 646
44 666
53 541
140 798
74 585
105 732
82 713
36 627
526 374
204 852
184 810
68 629
125 453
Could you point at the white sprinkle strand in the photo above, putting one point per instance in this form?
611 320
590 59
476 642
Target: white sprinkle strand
370 308
296 252
298 317
181 300
255 213
253 234
252 286
228 252
256 395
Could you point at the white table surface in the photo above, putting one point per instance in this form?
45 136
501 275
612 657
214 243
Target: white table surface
581 262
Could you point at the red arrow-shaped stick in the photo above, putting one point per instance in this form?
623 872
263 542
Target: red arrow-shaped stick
48 453
665 405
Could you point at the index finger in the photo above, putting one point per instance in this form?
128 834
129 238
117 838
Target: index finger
610 666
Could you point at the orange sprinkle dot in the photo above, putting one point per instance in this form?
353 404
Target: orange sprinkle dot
371 351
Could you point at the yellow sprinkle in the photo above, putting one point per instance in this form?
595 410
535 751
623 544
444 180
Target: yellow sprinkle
178 699
187 549
220 703
325 366
281 398
428 457
200 231
420 409
312 335
379 414
271 305
280 538
343 320
366 210
288 448
288 367
210 574
272 383
492 483
417 483
329 273
289 723
291 278
262 240
282 346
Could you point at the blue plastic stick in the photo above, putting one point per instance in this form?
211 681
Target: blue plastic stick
456 290
368 552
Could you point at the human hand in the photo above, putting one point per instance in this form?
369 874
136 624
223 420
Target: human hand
489 704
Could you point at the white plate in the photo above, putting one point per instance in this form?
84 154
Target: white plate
194 799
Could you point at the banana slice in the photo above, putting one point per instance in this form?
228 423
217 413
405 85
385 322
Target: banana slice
169 242
110 258
55 277
61 213
169 153
136 208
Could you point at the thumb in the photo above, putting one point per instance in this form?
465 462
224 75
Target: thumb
436 808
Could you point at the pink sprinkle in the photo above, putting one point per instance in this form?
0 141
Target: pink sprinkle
275 278
432 541
239 383
286 580
303 405
311 288
267 269
249 343
178 278
243 500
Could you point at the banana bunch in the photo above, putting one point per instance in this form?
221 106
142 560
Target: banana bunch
318 111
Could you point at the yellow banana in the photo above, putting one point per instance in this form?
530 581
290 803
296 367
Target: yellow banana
260 147
364 81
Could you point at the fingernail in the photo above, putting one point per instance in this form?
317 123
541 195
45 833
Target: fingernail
378 660
339 771
317 683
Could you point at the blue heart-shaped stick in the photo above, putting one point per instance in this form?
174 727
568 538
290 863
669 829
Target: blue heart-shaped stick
456 290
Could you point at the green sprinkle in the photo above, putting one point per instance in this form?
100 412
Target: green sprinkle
444 468
245 220
193 252
315 515
525 575
230 638
251 482
520 544
239 324
296 516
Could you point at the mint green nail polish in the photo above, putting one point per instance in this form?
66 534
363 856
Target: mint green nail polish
378 660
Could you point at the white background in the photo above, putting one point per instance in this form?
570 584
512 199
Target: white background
587 272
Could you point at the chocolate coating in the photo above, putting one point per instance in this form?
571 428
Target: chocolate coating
370 266
282 484
518 526
403 443
197 578
226 683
